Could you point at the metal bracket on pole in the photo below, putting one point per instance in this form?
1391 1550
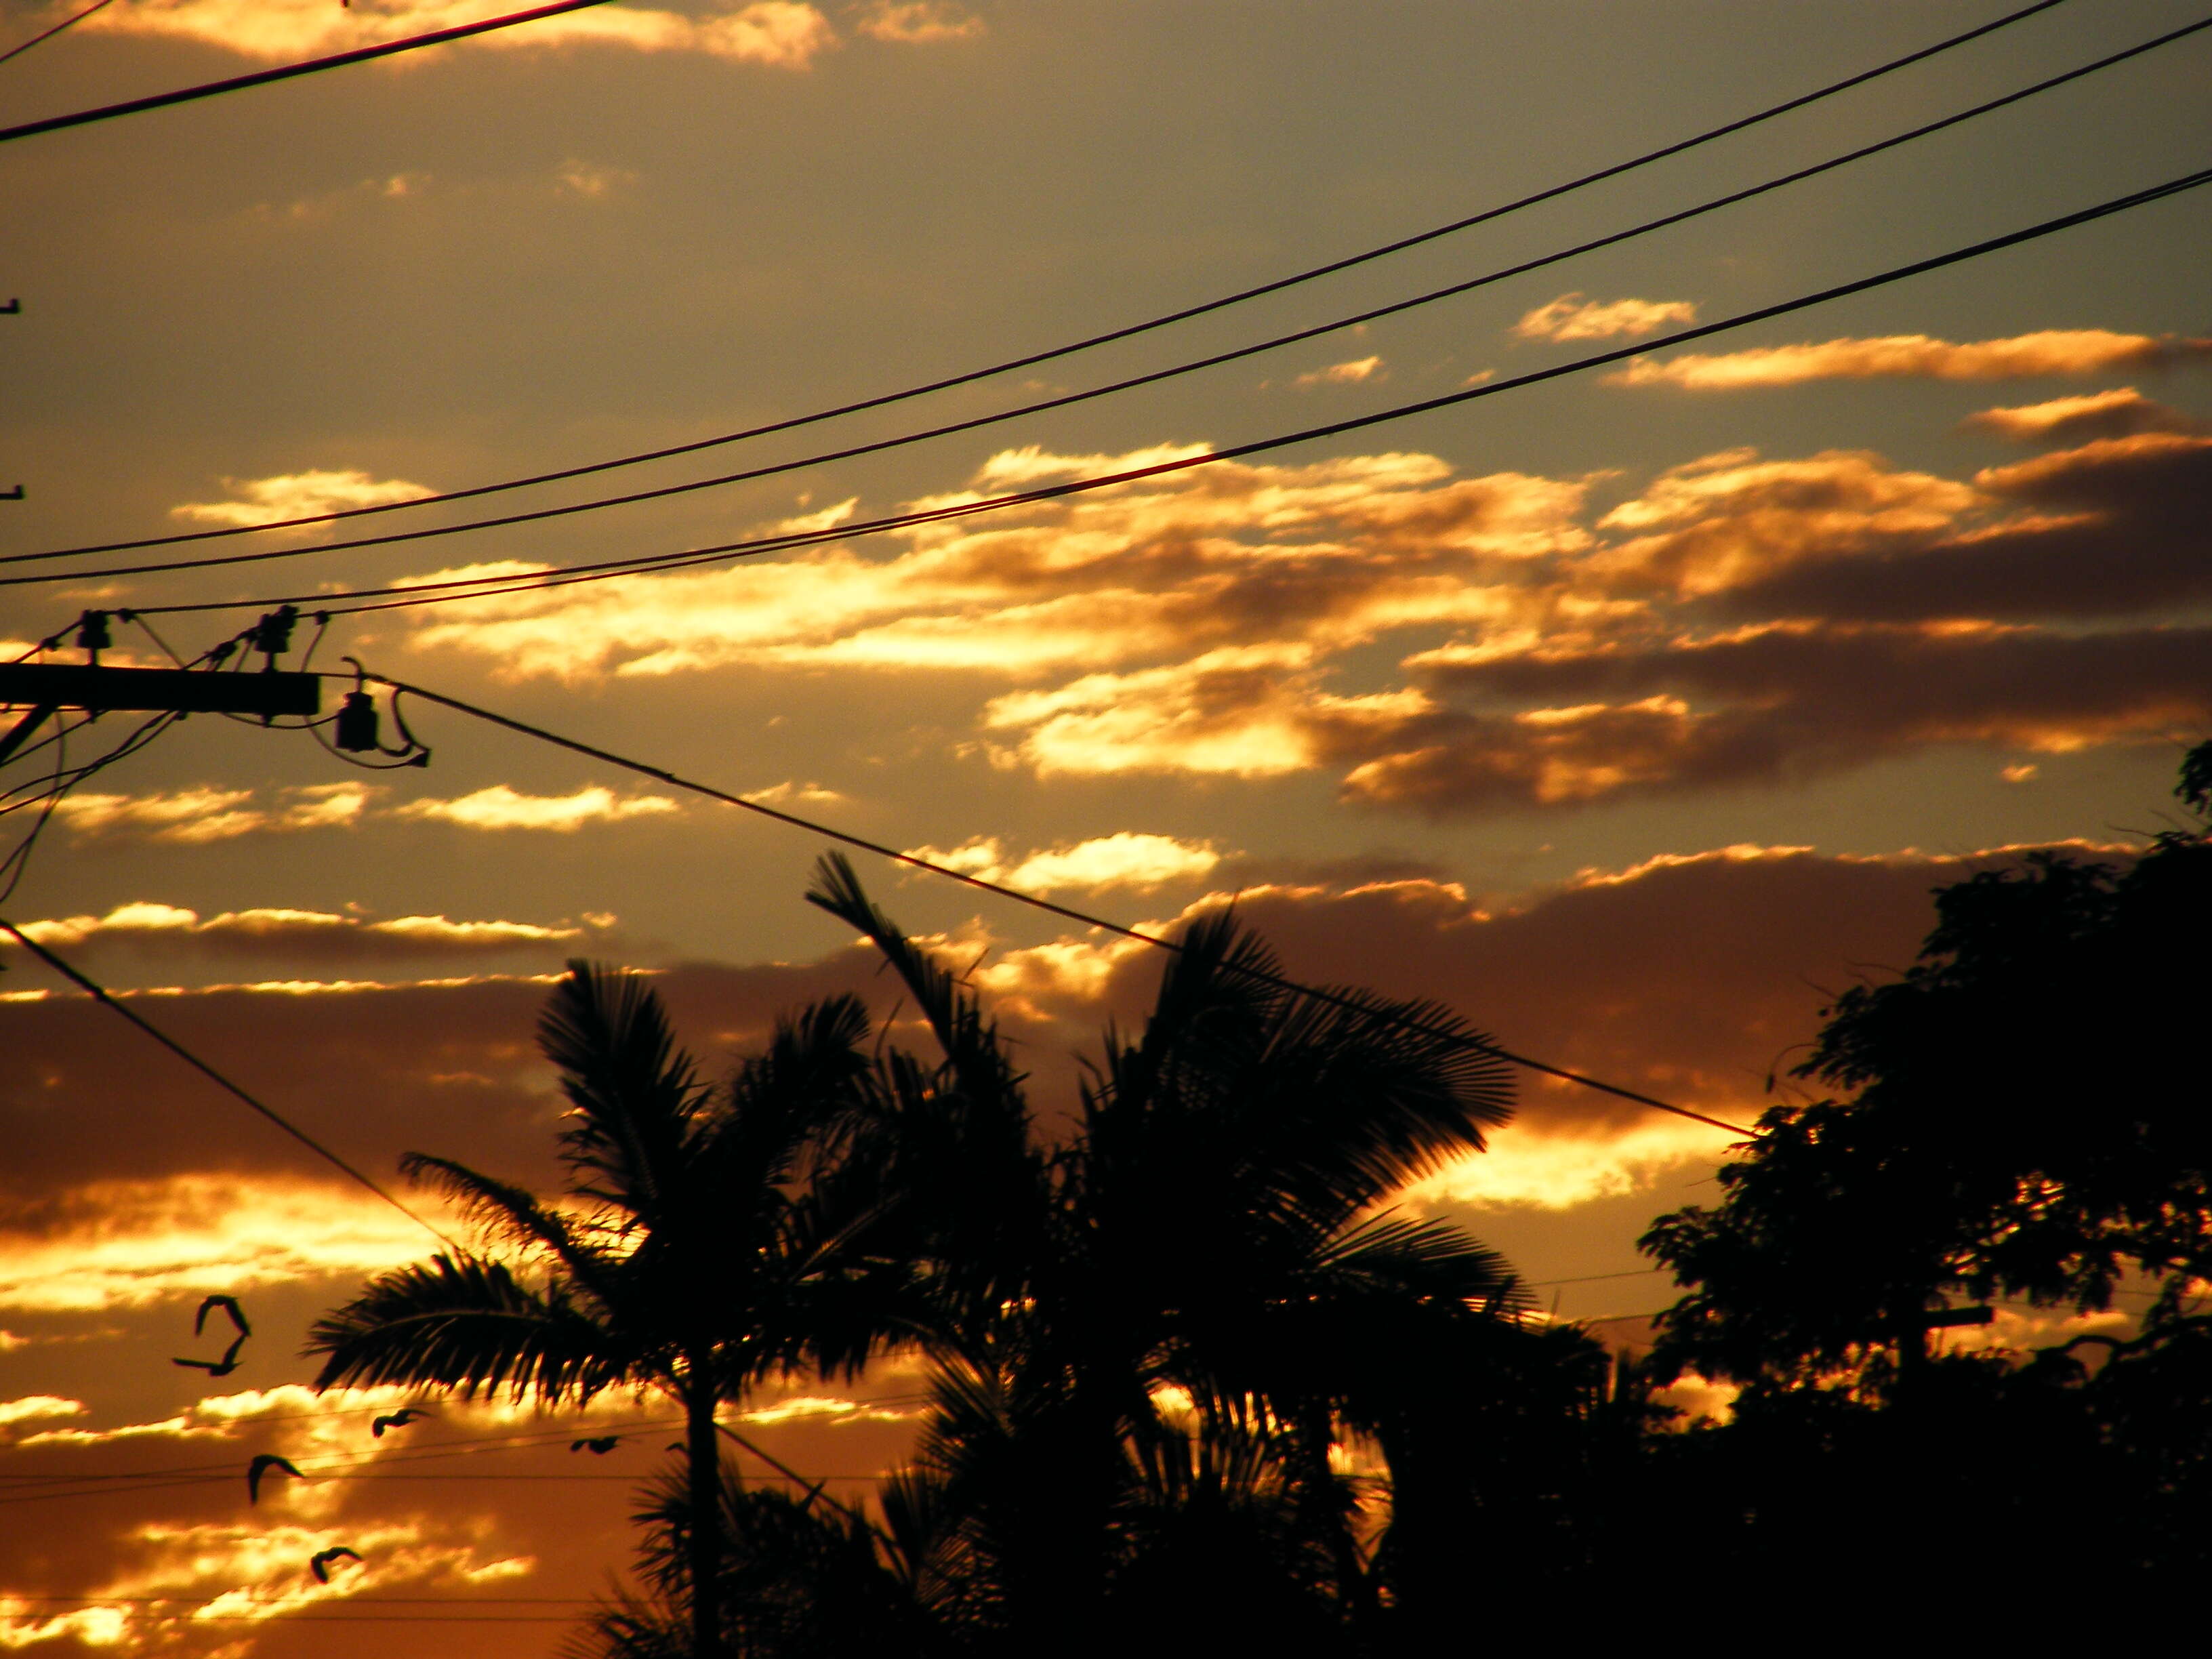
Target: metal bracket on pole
170 690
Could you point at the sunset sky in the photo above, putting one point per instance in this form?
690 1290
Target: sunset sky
1631 714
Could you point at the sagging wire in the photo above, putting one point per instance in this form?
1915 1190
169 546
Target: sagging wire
48 794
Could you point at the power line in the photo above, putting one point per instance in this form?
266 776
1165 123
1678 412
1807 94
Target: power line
420 593
1131 330
47 35
357 1618
100 994
311 1469
345 1599
1592 1279
286 72
1039 406
1067 913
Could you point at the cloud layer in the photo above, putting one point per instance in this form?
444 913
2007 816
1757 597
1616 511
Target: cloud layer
195 817
775 34
1735 618
1918 356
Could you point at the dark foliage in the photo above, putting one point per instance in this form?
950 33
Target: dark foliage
2030 1120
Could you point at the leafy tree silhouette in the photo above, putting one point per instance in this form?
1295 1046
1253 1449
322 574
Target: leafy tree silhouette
2028 1121
715 1243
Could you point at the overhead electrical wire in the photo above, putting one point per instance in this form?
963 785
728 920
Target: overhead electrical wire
70 21
100 995
289 71
1043 405
37 1488
1066 911
407 595
1127 331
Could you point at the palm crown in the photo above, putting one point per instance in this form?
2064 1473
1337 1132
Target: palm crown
703 1244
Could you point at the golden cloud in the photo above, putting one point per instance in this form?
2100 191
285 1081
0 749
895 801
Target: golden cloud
268 931
2120 413
1529 1168
299 495
1199 623
777 34
130 1244
1726 519
791 792
916 23
1126 858
1338 552
196 816
210 1578
500 807
1351 374
1253 712
37 1409
1571 317
2052 351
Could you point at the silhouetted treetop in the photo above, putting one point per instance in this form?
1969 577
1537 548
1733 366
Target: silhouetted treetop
2029 1119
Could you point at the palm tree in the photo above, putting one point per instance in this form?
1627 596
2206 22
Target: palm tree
709 1241
1216 1225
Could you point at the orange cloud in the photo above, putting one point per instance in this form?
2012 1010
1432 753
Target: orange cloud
1336 552
1351 374
2054 351
1198 624
1571 317
1560 1172
130 1244
776 33
273 932
299 495
1725 519
500 807
1256 711
195 817
917 22
37 1409
2120 413
1125 860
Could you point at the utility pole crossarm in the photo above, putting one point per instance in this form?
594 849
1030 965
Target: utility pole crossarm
172 690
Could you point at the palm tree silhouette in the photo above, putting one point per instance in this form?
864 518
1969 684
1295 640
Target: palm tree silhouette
718 1244
1215 1225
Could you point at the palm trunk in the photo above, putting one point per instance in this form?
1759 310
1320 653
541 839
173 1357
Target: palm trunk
705 1455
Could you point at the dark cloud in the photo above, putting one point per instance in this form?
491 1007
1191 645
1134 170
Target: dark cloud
1772 703
2116 527
1685 973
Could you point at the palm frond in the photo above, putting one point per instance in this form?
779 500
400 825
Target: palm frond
1433 1259
469 1325
635 1093
970 1042
513 1213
